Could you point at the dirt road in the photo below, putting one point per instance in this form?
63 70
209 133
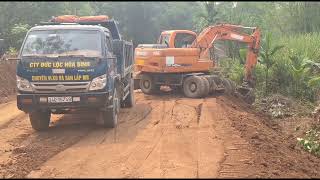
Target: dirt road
165 136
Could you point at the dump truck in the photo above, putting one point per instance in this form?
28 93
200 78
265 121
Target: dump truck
75 64
184 61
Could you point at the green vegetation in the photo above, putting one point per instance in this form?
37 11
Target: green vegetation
311 141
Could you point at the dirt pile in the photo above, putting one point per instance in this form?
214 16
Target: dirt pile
7 80
278 106
277 153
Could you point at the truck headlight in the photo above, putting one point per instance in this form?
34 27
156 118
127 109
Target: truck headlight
98 83
23 84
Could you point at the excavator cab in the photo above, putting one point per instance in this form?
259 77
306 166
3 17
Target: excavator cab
177 38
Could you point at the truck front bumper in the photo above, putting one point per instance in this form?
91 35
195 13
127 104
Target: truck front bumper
80 101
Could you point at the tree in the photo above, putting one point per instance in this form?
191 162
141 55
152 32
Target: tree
266 57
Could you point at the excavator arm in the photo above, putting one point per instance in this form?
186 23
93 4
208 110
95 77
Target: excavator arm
207 37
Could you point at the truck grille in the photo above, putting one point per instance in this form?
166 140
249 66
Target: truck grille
60 87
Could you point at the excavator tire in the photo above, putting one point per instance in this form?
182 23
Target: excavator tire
227 86
193 87
147 84
206 86
212 84
233 86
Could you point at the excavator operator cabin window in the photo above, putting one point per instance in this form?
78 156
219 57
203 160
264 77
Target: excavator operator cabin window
164 39
183 40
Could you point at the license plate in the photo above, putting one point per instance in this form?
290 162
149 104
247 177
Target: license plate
59 99
58 71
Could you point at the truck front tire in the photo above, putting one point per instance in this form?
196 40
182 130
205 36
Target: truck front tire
129 101
110 115
40 120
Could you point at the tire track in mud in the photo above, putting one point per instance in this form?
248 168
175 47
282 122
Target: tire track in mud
31 149
127 127
163 144
162 136
27 150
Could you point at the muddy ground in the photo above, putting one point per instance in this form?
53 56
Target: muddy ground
166 136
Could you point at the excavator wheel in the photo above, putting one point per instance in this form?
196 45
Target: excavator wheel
233 86
147 84
194 87
206 86
227 86
212 84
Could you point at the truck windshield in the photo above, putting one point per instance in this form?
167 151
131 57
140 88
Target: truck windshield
63 43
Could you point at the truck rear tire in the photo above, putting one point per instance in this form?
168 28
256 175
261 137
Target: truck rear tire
110 116
148 85
206 87
193 87
40 120
129 101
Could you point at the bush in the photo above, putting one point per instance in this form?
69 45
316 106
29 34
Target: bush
290 75
233 69
311 141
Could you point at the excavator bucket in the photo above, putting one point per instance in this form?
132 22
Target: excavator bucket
245 93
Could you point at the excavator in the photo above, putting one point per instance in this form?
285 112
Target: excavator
184 61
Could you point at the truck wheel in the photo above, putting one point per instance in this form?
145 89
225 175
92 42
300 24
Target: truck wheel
110 116
147 85
206 86
129 101
40 120
193 87
227 86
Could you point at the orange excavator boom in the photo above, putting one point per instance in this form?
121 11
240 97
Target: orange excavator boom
206 38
